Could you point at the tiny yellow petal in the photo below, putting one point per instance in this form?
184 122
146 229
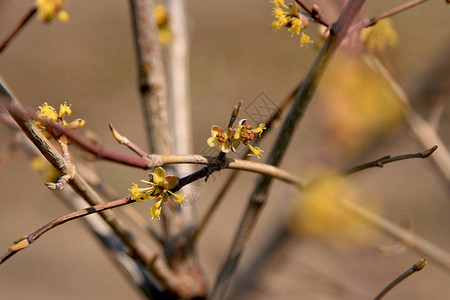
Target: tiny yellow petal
159 176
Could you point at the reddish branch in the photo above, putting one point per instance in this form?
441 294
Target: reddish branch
61 220
389 13
18 28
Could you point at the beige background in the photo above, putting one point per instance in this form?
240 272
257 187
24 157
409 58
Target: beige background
235 55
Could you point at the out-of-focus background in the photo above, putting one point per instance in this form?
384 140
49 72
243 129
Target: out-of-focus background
235 55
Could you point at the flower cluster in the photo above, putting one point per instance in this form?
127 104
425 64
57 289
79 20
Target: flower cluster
159 188
291 19
230 139
48 9
48 113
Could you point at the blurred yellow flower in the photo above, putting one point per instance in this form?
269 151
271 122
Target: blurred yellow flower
357 105
162 20
48 9
48 172
317 211
380 35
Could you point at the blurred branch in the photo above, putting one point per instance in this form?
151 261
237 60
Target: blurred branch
337 33
390 13
152 81
423 131
4 43
418 266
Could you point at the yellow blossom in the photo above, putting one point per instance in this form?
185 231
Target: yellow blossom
160 13
379 36
164 36
47 171
48 113
156 210
296 26
63 16
305 39
356 108
159 188
220 139
318 211
256 151
279 3
48 9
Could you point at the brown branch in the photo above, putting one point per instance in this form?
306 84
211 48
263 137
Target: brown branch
125 141
17 28
31 238
418 266
387 159
77 183
318 18
396 10
337 33
152 81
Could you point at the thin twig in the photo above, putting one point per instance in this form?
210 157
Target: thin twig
387 159
396 10
124 141
17 28
317 18
61 220
337 33
418 266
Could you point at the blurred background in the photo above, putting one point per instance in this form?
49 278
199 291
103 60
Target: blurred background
235 55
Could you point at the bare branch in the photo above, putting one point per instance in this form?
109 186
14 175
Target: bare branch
337 33
418 266
390 13
387 159
17 28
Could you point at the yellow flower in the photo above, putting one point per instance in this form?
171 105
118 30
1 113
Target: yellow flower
279 3
260 129
63 16
318 211
296 26
47 171
158 187
49 113
379 36
220 139
64 109
164 36
161 15
256 151
48 9
305 39
156 210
